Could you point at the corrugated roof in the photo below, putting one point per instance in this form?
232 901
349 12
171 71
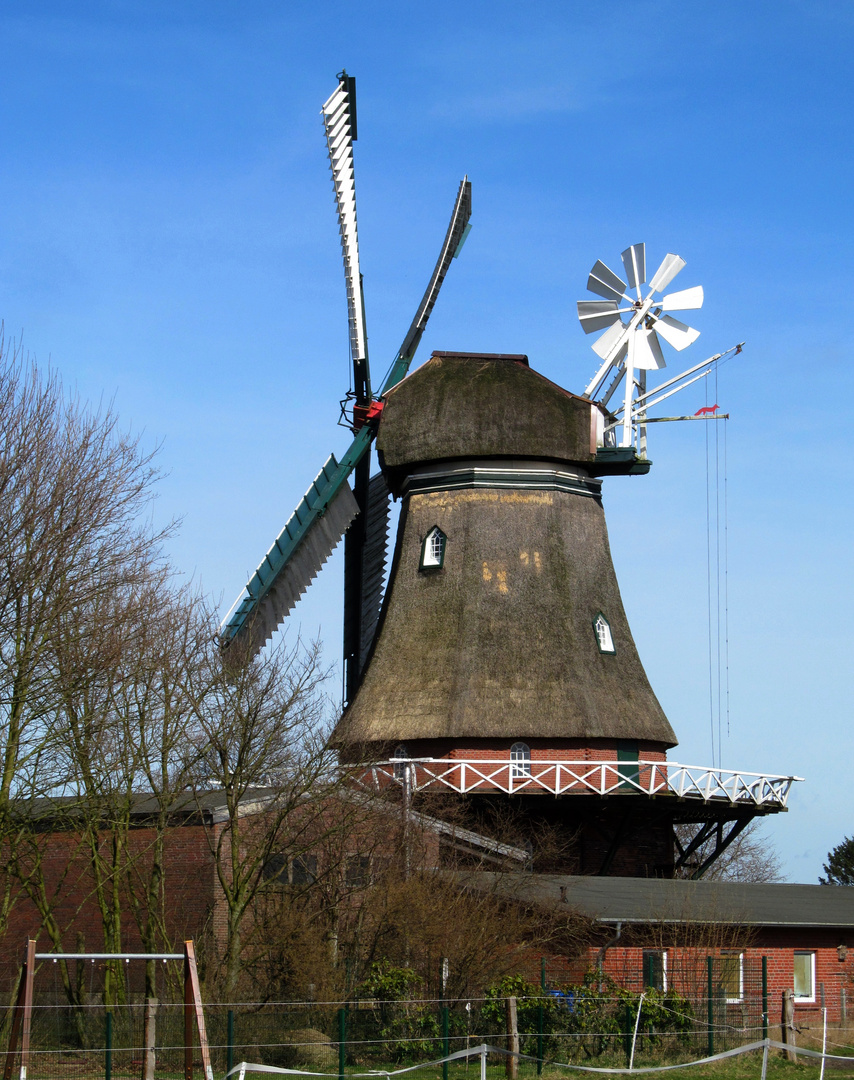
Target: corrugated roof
654 900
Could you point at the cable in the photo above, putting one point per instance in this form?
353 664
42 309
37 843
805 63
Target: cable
709 585
718 573
726 577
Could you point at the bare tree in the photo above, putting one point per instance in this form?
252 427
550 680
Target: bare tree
77 552
751 857
259 739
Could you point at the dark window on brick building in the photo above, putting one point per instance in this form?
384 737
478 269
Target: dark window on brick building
304 870
654 969
358 870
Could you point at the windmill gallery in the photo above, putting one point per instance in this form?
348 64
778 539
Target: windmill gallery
494 673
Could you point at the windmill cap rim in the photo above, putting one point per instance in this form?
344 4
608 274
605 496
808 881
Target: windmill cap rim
519 358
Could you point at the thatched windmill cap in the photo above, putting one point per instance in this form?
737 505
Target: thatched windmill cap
476 405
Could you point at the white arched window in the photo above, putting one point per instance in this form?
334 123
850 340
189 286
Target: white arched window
520 760
400 754
604 638
433 549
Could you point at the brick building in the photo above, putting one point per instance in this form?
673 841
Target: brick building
680 933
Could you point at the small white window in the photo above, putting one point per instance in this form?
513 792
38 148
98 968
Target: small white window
602 629
400 754
433 549
803 976
520 760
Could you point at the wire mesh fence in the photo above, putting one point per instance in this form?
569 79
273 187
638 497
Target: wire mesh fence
593 1023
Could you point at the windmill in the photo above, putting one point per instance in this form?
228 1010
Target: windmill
330 508
630 345
503 666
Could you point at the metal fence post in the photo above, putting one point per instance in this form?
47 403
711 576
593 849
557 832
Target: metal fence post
540 1025
483 1061
635 1035
229 1042
342 1042
710 1009
765 997
446 1041
108 1052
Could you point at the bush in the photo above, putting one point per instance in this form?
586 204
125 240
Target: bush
400 1030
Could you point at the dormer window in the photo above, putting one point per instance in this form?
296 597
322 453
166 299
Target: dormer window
604 639
433 550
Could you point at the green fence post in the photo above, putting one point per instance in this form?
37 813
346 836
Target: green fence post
342 1042
540 1039
446 1041
540 1018
108 1052
229 1053
710 1009
764 997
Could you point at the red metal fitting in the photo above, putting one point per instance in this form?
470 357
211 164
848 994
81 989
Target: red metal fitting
364 414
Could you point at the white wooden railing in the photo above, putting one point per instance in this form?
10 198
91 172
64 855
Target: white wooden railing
659 778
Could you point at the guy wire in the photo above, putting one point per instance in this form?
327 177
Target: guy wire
726 578
709 585
718 574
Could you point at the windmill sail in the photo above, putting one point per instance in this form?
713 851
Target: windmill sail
458 229
374 563
303 546
339 121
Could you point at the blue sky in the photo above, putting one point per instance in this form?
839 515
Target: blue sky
168 239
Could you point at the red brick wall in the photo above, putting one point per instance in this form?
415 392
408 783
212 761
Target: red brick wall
686 970
189 883
499 749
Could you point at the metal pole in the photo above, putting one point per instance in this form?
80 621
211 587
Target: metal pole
188 1020
635 1036
446 1042
229 1053
108 1052
540 1020
823 1043
540 1026
765 999
764 1060
342 1042
149 1039
483 1061
710 1010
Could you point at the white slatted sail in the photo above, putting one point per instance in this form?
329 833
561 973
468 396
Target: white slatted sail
339 120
